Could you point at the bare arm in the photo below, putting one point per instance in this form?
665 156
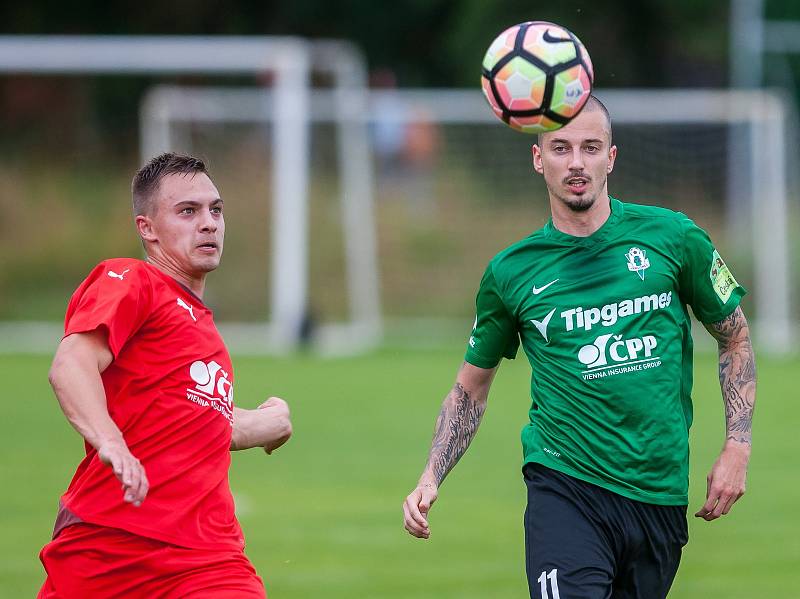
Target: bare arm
458 421
737 378
268 426
75 377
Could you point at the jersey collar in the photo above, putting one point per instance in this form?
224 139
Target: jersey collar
603 233
175 283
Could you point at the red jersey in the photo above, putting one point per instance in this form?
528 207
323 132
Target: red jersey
169 389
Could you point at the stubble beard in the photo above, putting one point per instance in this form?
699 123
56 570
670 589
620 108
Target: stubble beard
580 204
583 202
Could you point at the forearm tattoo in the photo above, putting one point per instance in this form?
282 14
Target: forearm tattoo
737 375
455 428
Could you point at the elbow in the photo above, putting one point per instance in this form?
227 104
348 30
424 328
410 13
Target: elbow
66 361
56 373
59 378
52 377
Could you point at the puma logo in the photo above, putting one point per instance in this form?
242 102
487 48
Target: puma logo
187 307
114 275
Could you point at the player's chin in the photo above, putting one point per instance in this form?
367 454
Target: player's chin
206 263
579 202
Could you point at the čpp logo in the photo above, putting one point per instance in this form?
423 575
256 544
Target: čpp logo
212 381
616 349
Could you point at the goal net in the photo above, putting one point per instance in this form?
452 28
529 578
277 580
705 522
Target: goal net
449 186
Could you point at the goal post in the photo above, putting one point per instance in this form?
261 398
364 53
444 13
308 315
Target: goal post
761 116
165 108
765 115
288 59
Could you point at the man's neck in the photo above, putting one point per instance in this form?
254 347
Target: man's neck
580 224
195 284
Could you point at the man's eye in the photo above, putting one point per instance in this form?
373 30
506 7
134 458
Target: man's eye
560 149
187 211
592 148
217 210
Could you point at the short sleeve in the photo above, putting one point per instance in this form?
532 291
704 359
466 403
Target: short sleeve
115 297
494 334
706 282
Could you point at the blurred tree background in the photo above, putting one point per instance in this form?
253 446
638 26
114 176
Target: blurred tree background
426 43
70 144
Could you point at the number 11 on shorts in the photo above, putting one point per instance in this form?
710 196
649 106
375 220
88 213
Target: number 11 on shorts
553 577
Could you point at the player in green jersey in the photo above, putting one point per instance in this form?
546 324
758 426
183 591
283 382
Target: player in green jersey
598 298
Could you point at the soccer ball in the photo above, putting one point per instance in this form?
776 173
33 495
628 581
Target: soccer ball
537 76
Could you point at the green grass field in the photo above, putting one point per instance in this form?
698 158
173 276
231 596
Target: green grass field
322 516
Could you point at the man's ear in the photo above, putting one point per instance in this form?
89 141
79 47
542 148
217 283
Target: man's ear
612 156
144 226
537 159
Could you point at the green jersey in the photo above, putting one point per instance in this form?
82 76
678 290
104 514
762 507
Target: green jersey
603 320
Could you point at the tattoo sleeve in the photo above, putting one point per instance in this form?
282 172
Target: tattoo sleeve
455 428
737 374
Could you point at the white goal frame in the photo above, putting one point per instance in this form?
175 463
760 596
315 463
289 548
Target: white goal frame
765 113
164 108
288 58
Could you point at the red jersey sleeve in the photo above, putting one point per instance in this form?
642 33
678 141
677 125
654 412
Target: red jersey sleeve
116 296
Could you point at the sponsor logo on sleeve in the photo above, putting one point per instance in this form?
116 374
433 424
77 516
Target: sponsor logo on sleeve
721 278
472 337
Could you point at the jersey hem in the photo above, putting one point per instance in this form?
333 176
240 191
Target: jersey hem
650 498
480 362
158 535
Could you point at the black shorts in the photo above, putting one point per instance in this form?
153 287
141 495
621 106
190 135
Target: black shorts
585 542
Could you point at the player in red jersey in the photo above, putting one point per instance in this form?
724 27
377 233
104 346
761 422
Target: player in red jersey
145 378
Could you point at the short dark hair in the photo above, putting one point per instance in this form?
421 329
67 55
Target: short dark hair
592 104
146 181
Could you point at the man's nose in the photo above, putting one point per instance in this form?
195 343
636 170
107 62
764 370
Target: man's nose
576 162
208 223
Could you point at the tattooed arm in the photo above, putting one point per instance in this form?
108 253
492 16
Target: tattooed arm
737 378
456 426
